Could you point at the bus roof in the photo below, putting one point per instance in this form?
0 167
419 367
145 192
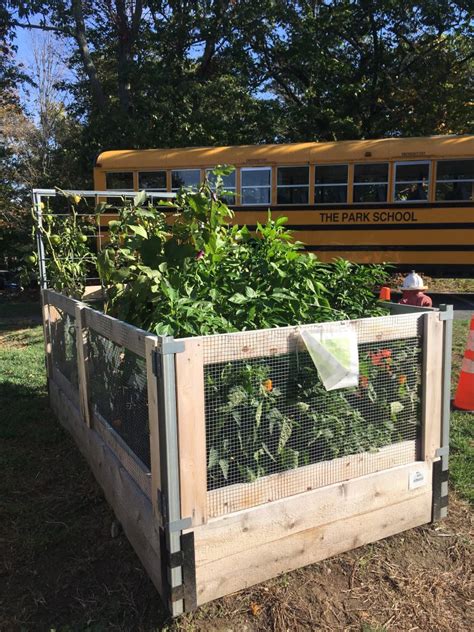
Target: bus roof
416 148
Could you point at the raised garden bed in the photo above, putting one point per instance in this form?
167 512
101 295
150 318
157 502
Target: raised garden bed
225 459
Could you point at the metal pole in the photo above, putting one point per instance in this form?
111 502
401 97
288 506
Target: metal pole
39 240
446 313
169 458
440 468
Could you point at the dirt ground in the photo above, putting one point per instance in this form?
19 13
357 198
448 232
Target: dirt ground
62 570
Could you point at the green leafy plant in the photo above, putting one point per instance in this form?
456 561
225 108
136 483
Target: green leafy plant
69 244
183 269
267 415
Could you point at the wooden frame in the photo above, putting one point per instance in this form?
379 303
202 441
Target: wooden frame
245 535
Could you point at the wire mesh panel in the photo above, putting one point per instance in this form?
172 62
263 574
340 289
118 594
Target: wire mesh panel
272 429
118 393
63 344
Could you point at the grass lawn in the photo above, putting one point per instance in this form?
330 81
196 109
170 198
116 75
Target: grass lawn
461 461
61 569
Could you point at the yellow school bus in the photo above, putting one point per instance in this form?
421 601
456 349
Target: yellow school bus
408 201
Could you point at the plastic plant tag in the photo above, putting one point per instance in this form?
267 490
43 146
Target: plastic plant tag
335 354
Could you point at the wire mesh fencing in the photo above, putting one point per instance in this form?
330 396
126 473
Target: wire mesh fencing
63 344
272 429
118 393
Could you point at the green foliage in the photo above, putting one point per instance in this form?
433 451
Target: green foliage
327 71
273 414
186 271
68 240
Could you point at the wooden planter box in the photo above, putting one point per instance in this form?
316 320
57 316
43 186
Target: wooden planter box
136 406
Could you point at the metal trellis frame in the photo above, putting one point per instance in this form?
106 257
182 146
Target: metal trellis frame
40 194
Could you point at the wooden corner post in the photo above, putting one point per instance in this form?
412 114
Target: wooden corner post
432 385
192 431
151 343
46 314
82 362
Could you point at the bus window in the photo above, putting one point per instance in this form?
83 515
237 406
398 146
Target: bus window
371 182
119 181
455 180
228 184
256 185
189 178
152 180
292 185
411 181
330 184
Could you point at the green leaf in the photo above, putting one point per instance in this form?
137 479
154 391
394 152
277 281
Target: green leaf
285 433
238 298
258 414
139 230
140 198
213 458
224 465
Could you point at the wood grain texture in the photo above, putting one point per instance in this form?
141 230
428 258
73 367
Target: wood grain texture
132 508
62 302
269 342
284 484
121 333
258 544
82 363
93 293
151 343
45 311
65 385
432 385
127 458
192 431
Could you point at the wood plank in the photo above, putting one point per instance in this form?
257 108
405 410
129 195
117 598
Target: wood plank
268 342
82 363
137 470
121 333
231 534
258 564
47 317
62 302
65 385
192 431
432 385
93 293
275 486
132 508
151 343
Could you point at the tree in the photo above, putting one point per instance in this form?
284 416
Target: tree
368 68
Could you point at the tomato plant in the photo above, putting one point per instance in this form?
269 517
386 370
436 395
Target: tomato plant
69 247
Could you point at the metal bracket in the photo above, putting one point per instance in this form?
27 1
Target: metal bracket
170 346
179 525
444 451
184 559
156 364
440 492
175 525
446 312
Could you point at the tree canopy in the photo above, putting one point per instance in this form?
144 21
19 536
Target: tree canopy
186 72
156 73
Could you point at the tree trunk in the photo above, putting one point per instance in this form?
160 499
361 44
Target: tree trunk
89 66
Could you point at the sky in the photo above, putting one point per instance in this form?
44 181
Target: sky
26 40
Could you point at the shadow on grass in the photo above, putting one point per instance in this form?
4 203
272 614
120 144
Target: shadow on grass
61 567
